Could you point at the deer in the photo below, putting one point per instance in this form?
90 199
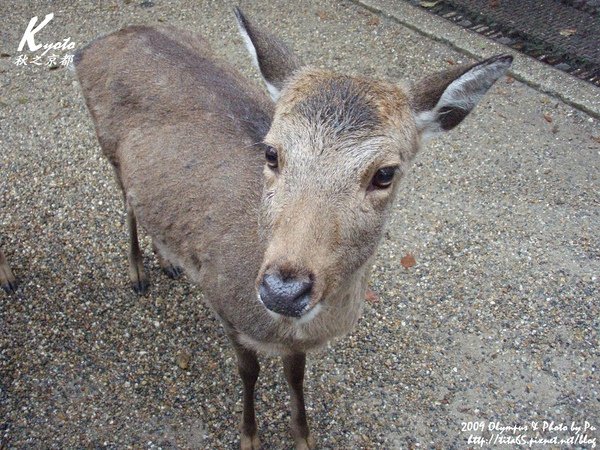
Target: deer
274 204
7 279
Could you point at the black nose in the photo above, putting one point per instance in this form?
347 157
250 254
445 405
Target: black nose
287 296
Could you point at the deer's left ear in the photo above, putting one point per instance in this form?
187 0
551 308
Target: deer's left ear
441 101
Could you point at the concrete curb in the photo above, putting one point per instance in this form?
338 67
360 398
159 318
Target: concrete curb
544 78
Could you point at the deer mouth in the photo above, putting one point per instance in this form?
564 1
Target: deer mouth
300 317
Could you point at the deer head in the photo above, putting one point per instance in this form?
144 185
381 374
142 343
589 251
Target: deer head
335 154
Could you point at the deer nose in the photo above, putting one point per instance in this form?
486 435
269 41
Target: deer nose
288 296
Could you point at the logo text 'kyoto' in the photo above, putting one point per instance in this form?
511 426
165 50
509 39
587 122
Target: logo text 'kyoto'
52 59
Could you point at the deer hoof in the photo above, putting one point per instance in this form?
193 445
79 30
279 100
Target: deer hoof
140 287
139 281
307 443
173 272
9 286
249 442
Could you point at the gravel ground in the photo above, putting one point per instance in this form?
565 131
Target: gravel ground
498 320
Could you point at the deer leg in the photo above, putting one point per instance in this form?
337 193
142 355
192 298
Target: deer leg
7 279
139 282
248 368
170 269
293 367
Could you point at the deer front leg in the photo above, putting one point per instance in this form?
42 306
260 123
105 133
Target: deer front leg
7 279
293 366
139 282
248 368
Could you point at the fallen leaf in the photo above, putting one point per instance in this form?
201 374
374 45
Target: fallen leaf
494 3
371 296
567 32
408 261
548 118
509 79
322 14
373 21
596 139
425 4
183 360
450 61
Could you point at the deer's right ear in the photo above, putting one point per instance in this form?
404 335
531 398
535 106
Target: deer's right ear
272 58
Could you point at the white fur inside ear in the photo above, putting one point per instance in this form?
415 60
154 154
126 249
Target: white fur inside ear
273 91
460 92
427 124
249 45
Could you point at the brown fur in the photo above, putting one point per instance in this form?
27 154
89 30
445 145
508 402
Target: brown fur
185 134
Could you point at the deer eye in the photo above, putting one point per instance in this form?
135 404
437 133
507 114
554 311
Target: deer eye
383 177
271 157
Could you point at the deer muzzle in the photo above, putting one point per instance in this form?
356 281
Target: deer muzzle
285 295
